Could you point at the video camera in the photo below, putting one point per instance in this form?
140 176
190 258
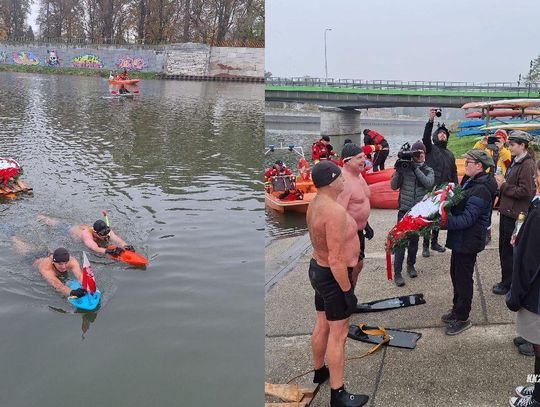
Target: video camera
438 112
405 157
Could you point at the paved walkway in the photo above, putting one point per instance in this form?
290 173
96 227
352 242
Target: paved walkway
479 367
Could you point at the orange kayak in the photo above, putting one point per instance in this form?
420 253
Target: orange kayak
121 82
129 257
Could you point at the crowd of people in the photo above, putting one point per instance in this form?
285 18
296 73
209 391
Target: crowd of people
500 173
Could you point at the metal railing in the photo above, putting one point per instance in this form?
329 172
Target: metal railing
527 87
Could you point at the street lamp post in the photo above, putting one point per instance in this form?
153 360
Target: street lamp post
325 60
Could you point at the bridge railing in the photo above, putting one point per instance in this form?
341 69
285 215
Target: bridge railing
531 87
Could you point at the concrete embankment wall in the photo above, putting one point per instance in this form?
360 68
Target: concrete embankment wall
195 60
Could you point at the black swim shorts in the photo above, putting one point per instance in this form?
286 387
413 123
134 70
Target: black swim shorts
328 295
362 238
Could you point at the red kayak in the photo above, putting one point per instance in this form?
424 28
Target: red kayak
123 82
382 196
129 257
379 176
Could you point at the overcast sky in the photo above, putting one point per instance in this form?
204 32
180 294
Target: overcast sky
459 40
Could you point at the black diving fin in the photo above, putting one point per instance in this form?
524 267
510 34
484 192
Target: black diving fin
391 303
398 338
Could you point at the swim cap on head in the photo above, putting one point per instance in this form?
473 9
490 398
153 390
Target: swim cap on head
324 173
349 151
100 226
60 255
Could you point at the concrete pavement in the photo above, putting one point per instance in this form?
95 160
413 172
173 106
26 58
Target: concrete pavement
479 367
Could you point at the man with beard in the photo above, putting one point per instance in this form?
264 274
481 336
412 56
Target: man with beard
443 163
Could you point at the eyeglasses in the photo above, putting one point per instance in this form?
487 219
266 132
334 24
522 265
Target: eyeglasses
471 162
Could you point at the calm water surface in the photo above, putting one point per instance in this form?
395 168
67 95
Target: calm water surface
178 172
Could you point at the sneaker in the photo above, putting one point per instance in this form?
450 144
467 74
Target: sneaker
526 349
412 271
457 327
524 391
321 375
448 318
345 399
500 289
398 279
518 340
437 247
425 251
523 402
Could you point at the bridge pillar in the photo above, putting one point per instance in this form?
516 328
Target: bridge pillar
339 122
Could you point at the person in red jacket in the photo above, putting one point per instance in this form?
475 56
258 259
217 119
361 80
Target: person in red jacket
277 169
380 147
322 150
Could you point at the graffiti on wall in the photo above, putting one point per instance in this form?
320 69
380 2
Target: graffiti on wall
25 58
131 63
87 61
4 57
52 58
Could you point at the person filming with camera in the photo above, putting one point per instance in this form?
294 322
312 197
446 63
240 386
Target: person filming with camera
443 163
414 178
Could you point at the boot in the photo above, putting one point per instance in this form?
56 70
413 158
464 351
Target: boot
398 279
425 250
437 247
412 271
342 398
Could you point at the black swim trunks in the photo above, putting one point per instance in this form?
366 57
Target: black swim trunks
328 295
362 238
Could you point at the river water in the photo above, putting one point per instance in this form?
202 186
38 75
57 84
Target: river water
303 131
178 172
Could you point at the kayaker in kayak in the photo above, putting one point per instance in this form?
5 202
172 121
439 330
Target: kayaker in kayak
96 237
124 75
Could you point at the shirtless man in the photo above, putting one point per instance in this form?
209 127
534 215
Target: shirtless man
56 265
355 198
95 238
334 237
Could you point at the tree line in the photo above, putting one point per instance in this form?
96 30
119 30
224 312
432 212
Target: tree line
215 22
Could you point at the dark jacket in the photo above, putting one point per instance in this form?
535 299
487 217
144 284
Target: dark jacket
439 157
525 289
468 221
413 184
518 190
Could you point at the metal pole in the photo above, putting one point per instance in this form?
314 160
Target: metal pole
325 60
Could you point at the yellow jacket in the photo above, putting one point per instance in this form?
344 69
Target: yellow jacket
504 156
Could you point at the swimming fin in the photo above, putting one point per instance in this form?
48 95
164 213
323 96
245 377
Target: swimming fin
391 303
398 338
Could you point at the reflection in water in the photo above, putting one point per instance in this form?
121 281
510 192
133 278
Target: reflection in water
178 173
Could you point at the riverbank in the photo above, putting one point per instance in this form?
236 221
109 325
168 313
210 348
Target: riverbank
49 70
479 367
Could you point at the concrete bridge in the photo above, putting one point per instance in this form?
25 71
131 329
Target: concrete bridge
339 99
